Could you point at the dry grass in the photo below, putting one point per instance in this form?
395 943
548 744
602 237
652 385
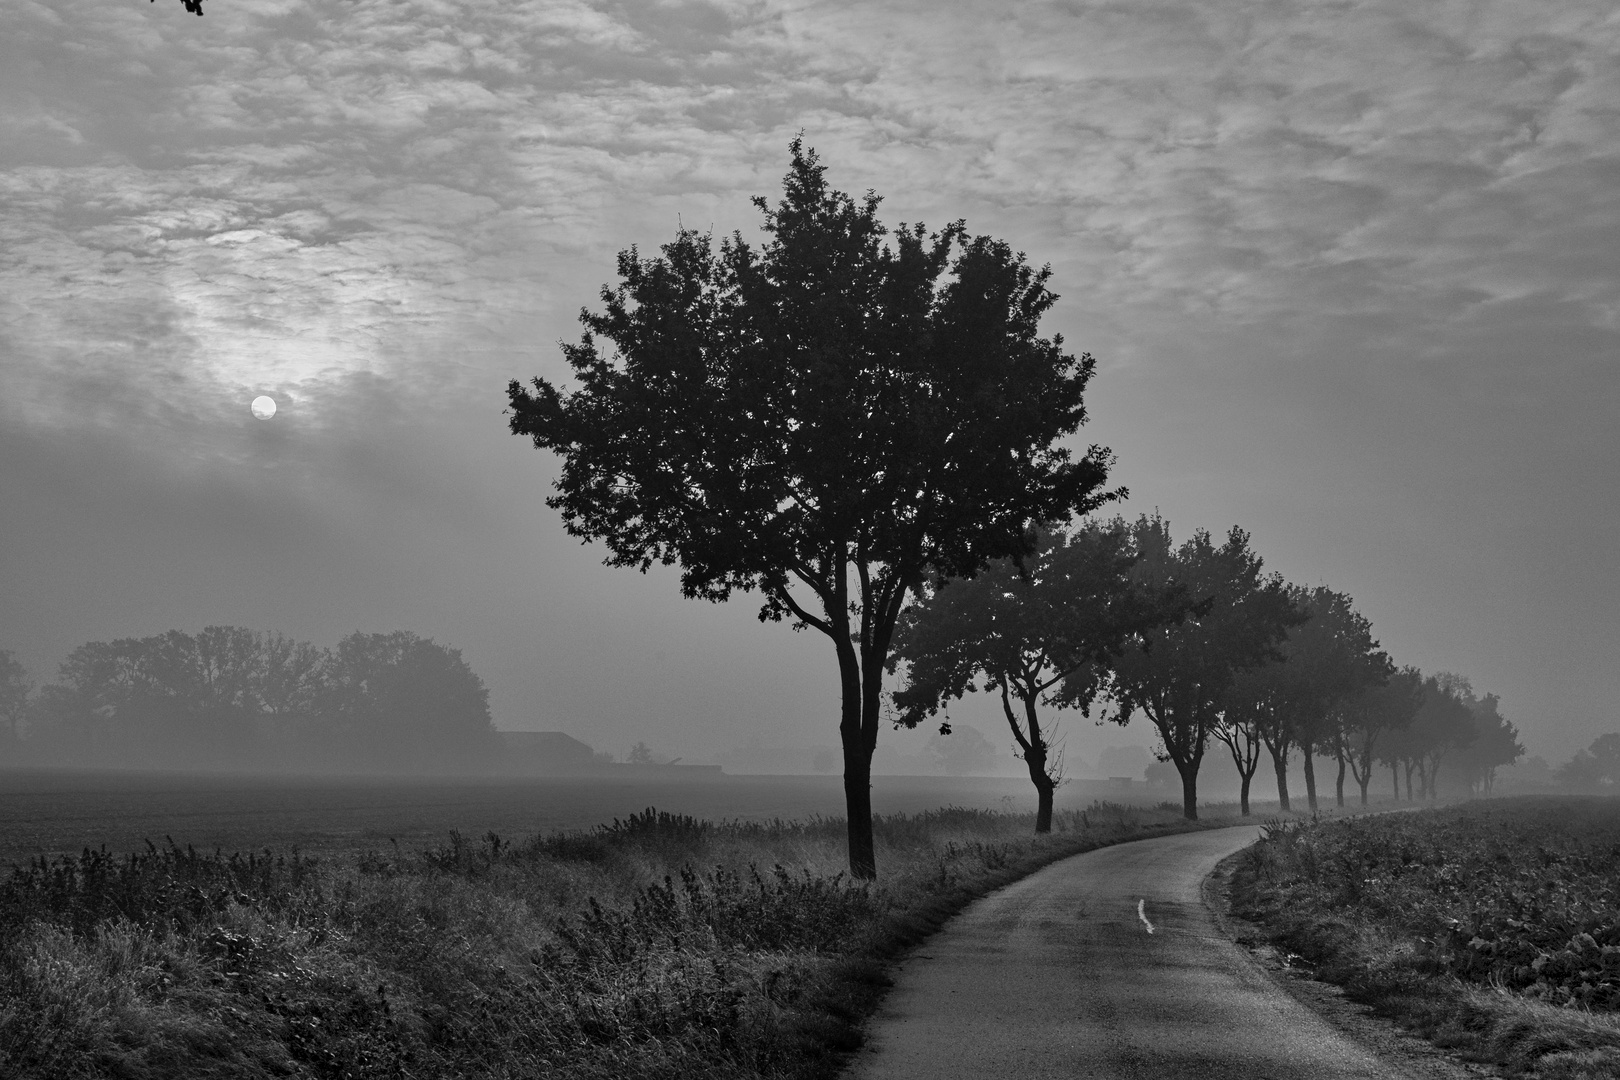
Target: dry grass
661 946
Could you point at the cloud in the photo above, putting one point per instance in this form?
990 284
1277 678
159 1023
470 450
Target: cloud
1381 242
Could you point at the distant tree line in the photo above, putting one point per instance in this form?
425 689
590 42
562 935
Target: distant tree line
1209 648
1597 768
231 698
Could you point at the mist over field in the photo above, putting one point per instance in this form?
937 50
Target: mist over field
809 539
1349 273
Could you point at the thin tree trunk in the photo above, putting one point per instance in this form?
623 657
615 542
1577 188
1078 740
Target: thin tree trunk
1310 778
1043 794
1364 784
1338 789
1243 794
1395 774
1032 744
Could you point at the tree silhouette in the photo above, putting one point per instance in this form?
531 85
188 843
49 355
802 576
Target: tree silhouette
1179 676
829 418
1373 717
1597 768
1496 743
1331 658
407 702
1443 723
1026 632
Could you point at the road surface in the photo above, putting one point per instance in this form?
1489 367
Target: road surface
1106 965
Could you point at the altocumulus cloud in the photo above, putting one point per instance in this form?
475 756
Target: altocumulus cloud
321 199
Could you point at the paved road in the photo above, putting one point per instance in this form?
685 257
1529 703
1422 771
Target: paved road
1059 975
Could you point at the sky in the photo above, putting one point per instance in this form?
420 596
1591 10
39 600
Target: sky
1351 271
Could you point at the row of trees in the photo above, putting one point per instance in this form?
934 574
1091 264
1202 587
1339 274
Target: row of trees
231 697
847 419
1210 649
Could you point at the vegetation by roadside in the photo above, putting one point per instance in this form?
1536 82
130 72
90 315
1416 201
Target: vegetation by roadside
661 946
1492 928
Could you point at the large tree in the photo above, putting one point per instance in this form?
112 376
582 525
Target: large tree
1296 698
1442 724
1023 632
832 418
1597 768
1179 676
1331 658
403 702
1496 743
1372 718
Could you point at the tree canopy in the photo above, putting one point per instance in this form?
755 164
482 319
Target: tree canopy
830 418
1597 768
1179 675
1375 716
1024 632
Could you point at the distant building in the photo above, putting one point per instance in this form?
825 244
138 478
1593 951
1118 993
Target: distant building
545 753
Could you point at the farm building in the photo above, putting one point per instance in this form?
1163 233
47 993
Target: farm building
546 753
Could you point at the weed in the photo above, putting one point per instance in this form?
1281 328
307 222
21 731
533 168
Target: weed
656 946
1411 912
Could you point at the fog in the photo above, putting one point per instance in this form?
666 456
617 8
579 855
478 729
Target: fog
1347 292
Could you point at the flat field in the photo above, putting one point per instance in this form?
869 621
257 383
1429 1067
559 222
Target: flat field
46 812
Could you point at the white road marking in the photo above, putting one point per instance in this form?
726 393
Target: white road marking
1141 913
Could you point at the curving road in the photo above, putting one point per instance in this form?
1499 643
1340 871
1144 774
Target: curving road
1105 965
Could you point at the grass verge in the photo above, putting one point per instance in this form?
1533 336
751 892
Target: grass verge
1492 929
660 946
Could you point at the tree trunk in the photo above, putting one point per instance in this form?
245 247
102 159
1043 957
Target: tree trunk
1310 778
858 808
1338 789
1035 758
1395 774
1243 795
1364 782
1189 791
857 730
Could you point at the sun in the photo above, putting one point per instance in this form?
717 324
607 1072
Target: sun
264 407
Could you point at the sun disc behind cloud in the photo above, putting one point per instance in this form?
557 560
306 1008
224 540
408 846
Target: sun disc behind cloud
263 407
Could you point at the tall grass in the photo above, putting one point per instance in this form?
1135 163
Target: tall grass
656 946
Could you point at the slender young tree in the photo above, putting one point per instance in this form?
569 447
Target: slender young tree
831 418
1024 632
1179 676
1248 713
